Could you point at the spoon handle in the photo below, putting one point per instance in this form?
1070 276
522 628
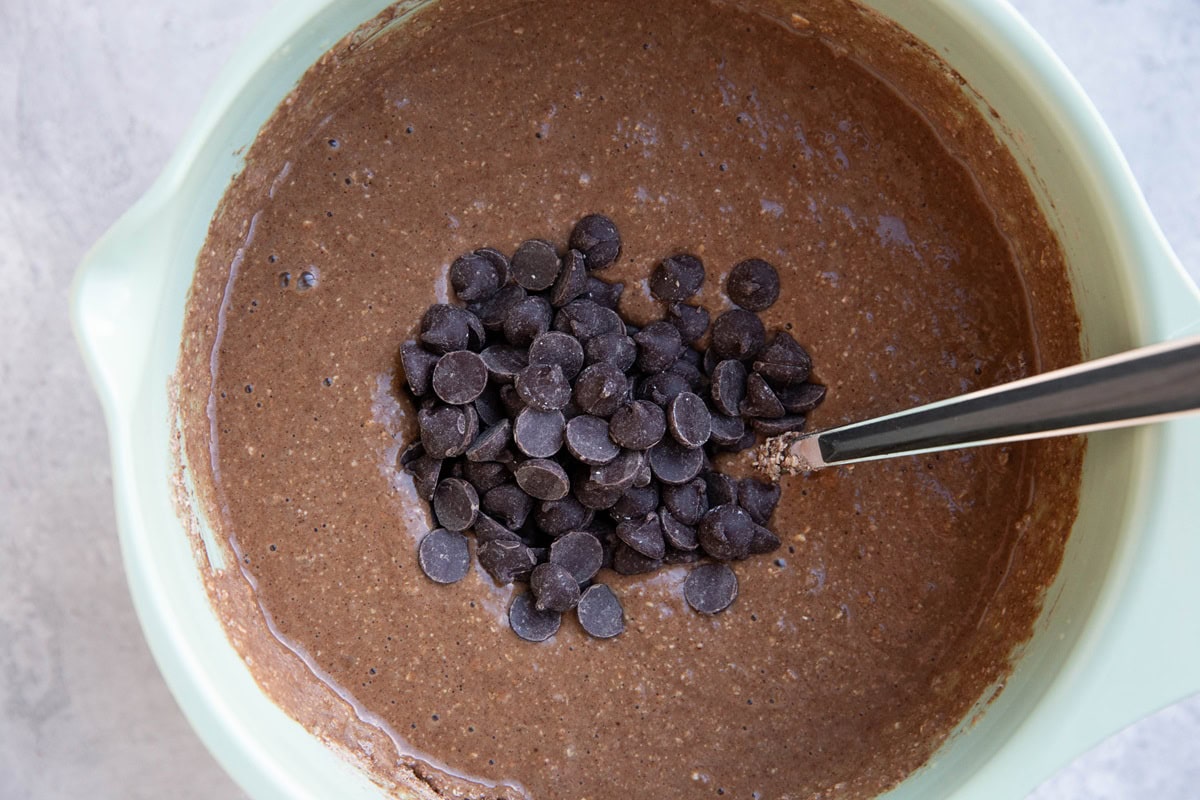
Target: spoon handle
1150 384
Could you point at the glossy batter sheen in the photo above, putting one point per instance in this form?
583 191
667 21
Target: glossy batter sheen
902 586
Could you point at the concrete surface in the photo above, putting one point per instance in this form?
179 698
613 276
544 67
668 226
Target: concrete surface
94 94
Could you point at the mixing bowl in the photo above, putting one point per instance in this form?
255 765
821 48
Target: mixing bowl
1119 635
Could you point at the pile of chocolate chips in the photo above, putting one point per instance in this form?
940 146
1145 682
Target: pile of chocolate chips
567 440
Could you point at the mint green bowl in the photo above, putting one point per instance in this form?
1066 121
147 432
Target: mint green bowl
1120 633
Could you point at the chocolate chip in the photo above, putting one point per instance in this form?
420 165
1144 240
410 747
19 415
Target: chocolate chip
411 453
418 364
600 613
556 517
748 440
543 479
692 321
753 284
595 495
526 320
602 292
530 623
760 401
684 368
638 425
627 561
444 556
725 532
758 499
790 423
513 404
490 407
737 334
495 310
485 475
503 362
506 560
662 388
455 504
677 278
600 390
571 280
644 535
763 541
659 344
687 502
727 430
619 473
676 534
801 399
675 464
473 277
459 377
543 386
783 362
554 587
689 419
616 349
729 387
580 553
636 503
539 434
597 238
492 444
535 265
447 431
487 530
426 472
588 440
584 319
644 475
508 503
711 588
554 347
721 489
498 260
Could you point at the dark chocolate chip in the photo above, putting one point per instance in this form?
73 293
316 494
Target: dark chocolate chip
727 430
509 504
663 387
636 503
711 588
543 479
638 425
801 399
571 280
503 361
580 553
555 347
487 530
709 361
790 423
725 532
539 434
753 284
490 407
597 238
659 345
616 349
444 556
738 334
760 401
600 390
473 277
495 310
506 560
588 440
556 517
535 265
492 444
783 362
584 319
692 321
721 489
689 419
530 623
758 499
627 561
498 260
748 440
455 504
600 613
602 292
687 502
676 534
411 453
447 431
513 404
446 328
619 473
729 387
675 464
418 364
644 535
426 472
459 377
595 495
763 541
543 386
684 368
554 587
485 475
677 278
526 320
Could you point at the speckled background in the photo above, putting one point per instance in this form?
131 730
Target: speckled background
94 95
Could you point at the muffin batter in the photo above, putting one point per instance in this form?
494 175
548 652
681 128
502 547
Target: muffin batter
911 268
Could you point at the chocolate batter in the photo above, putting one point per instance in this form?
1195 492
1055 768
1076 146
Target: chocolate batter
913 264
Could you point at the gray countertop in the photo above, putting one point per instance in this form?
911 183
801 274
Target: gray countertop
94 95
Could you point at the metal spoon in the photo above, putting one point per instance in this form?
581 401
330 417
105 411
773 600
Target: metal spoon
1150 384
